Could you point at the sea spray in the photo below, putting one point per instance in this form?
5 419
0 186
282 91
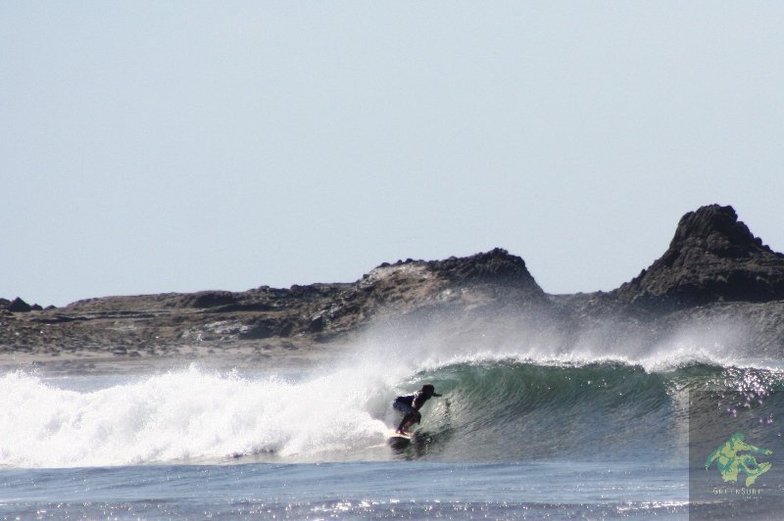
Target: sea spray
441 337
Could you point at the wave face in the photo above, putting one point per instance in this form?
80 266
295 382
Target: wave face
498 405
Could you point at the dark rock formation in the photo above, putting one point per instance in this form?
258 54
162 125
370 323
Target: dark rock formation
313 313
713 257
19 306
494 267
714 272
209 299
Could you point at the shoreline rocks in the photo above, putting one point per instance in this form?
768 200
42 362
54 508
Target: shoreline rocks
714 267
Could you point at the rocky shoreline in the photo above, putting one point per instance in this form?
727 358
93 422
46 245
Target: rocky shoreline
715 275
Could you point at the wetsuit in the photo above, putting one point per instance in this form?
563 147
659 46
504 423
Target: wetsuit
409 405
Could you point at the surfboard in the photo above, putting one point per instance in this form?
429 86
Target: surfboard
398 441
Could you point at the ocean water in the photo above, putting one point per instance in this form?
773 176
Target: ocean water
518 434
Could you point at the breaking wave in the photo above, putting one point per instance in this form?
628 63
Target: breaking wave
497 406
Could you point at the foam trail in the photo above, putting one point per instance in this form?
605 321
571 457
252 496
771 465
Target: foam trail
182 416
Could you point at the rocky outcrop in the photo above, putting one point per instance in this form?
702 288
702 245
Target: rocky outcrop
713 257
495 267
19 306
714 270
152 324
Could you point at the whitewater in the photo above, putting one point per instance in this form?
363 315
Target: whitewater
523 431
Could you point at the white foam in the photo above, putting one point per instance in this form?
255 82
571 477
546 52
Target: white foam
183 415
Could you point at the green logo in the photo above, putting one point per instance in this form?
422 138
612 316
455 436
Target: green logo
731 462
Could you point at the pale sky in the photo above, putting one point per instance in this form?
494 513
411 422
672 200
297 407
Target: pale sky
150 147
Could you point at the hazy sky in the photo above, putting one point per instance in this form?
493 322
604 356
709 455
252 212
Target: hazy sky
149 147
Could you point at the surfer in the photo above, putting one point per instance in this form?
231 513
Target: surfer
410 404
